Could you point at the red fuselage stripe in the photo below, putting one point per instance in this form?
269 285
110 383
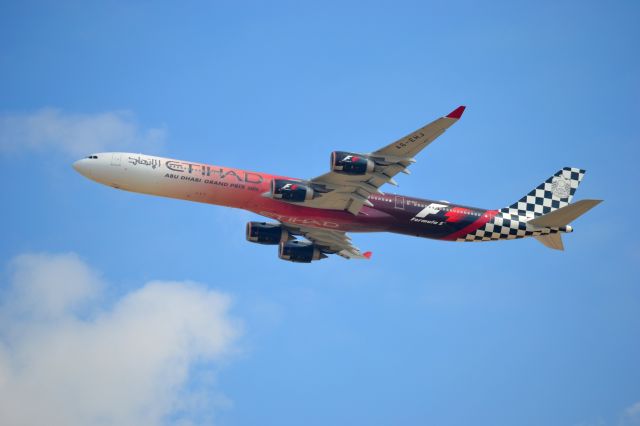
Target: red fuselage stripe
482 220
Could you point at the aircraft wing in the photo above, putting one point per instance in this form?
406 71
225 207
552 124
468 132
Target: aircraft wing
329 241
340 191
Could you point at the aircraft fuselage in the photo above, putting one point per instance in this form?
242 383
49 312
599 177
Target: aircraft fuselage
244 189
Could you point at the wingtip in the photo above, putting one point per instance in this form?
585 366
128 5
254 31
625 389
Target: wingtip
457 113
367 255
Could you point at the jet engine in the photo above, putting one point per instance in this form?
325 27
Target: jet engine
351 164
266 233
291 190
300 251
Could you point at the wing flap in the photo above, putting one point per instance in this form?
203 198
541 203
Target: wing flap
330 241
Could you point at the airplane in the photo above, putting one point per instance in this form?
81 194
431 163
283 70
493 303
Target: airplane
348 198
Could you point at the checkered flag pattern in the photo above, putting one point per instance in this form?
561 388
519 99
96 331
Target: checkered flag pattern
552 194
511 222
505 227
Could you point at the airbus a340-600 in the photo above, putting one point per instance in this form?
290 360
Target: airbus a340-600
324 209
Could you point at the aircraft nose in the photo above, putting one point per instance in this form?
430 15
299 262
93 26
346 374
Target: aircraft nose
81 167
77 165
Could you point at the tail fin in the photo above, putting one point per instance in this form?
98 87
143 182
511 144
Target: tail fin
552 194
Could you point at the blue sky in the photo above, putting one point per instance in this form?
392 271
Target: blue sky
427 332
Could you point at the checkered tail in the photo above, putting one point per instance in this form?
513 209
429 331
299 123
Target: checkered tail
552 194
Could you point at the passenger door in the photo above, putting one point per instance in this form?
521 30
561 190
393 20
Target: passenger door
115 159
399 202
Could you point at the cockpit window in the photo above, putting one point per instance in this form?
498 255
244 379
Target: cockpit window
93 157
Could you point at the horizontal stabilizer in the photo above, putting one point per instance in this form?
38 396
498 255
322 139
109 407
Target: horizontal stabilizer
564 215
553 241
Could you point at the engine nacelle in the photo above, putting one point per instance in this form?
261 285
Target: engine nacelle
291 190
299 251
351 164
266 233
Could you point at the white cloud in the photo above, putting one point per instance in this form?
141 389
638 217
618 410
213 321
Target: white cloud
631 416
50 287
64 360
76 134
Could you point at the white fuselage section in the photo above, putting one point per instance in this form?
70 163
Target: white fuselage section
172 178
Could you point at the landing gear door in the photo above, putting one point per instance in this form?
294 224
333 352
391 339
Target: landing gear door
399 202
115 159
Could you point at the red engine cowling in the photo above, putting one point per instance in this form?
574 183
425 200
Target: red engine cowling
351 164
291 190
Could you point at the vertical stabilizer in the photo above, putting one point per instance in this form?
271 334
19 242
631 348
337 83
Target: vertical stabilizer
550 195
